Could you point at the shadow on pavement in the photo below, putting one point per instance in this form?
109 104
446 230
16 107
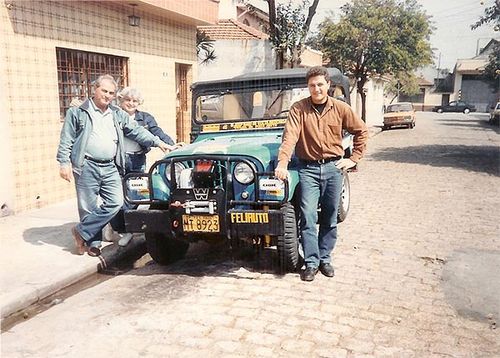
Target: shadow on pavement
53 235
476 122
205 259
482 159
471 284
59 236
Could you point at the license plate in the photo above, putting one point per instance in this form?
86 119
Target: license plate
200 223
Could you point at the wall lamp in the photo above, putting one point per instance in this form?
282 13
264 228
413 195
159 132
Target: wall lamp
134 20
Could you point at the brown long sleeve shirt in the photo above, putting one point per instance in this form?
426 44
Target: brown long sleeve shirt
319 136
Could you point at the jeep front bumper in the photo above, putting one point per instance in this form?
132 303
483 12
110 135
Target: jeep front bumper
234 223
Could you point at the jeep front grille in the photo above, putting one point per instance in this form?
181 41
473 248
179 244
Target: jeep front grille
220 176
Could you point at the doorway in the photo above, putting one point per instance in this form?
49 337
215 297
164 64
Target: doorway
445 99
183 112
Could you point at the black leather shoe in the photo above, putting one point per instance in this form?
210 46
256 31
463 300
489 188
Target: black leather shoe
309 273
327 270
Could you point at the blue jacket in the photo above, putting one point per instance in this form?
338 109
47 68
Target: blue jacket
147 121
77 128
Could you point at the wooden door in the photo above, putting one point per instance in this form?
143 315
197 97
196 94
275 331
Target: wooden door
183 117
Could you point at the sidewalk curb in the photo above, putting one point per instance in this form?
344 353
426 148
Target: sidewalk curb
111 254
373 131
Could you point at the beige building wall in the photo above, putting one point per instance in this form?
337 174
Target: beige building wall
310 57
30 31
375 100
431 99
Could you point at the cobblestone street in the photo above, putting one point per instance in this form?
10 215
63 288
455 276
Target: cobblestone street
417 273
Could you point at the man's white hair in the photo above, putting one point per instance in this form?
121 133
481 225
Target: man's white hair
98 81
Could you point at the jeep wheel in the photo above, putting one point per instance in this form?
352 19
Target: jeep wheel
288 244
163 249
466 110
345 198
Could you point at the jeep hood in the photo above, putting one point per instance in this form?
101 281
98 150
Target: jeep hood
260 145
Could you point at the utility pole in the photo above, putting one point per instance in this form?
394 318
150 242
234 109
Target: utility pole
438 67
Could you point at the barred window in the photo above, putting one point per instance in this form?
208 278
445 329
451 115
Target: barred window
76 71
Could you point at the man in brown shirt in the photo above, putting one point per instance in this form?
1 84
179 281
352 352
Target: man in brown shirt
314 129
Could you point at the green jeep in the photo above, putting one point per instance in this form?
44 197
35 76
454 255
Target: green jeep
222 185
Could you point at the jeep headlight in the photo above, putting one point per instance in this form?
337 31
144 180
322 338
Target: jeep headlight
178 168
243 173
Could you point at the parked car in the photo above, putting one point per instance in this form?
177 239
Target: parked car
399 114
455 106
222 185
495 114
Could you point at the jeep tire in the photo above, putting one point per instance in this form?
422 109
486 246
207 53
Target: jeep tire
163 249
345 198
288 243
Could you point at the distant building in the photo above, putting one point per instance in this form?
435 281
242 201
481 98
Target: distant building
466 82
469 85
238 48
241 42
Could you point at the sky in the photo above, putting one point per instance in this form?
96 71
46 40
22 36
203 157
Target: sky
452 38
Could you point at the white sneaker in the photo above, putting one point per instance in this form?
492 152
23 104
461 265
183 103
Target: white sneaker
125 239
108 234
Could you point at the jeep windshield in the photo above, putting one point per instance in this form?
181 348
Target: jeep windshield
246 104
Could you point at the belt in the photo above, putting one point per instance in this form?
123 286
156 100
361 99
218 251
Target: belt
321 161
100 161
135 153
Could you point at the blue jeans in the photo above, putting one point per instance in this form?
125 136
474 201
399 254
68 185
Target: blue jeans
97 180
319 183
134 163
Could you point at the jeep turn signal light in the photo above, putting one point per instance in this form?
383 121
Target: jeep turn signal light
203 165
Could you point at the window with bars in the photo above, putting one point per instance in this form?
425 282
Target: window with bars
77 70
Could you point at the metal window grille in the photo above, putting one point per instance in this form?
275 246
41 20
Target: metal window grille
77 70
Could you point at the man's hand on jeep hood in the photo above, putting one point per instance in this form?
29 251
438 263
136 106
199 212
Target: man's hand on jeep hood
281 173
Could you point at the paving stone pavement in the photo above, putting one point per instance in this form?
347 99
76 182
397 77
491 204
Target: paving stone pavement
417 273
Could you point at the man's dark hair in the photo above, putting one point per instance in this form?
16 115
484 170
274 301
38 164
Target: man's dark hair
317 71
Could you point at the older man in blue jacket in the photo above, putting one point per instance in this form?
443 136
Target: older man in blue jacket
91 150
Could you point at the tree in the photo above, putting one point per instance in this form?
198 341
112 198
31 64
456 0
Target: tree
205 46
491 14
403 83
288 28
492 70
377 37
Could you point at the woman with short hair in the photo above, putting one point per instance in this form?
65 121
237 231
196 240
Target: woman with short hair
129 99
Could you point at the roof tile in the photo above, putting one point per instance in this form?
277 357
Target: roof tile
232 30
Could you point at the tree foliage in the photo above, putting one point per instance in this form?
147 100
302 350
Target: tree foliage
403 83
492 70
204 47
377 37
288 28
491 14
